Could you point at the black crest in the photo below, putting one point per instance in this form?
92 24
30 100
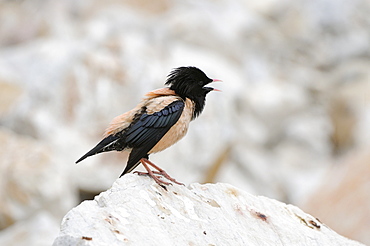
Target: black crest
189 82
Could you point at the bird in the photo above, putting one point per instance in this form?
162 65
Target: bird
160 120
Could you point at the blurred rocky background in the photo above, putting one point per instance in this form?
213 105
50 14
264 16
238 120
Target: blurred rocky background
292 122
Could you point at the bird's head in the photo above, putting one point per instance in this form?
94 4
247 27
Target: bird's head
189 82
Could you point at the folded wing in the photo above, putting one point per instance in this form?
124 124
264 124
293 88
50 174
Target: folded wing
143 135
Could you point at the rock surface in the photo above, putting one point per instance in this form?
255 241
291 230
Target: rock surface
39 229
334 200
31 181
136 211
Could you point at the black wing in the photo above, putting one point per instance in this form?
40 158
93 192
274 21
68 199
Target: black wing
148 130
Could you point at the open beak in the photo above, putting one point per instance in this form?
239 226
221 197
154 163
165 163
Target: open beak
216 80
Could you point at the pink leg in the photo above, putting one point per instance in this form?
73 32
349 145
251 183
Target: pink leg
160 171
151 174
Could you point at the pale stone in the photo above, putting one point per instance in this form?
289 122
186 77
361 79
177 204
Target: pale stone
31 180
9 95
344 196
39 229
136 211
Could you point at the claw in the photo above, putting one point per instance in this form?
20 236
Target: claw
153 174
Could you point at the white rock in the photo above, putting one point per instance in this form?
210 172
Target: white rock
39 229
136 211
31 180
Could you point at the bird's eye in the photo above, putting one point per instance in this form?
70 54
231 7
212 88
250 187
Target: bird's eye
200 83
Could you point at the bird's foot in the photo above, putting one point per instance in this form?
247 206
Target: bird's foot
167 176
153 176
160 171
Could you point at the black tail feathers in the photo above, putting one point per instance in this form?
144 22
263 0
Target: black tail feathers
102 146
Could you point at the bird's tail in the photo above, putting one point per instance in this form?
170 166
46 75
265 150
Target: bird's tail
102 146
